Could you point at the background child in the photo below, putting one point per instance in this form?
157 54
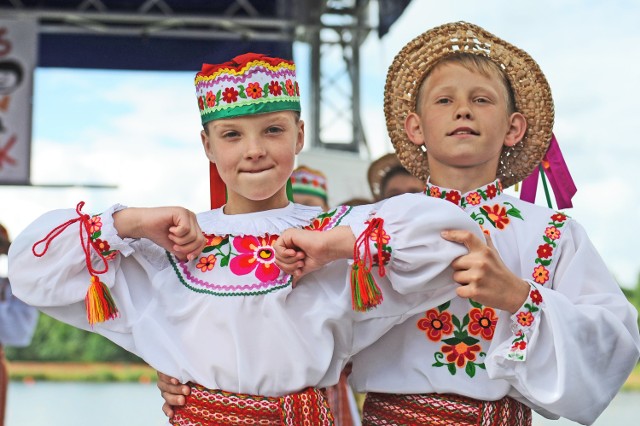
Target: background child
309 187
17 323
200 298
538 319
388 178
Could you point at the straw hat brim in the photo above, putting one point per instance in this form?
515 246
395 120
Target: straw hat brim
378 169
531 90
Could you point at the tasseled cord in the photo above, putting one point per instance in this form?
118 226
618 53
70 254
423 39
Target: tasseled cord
98 300
365 293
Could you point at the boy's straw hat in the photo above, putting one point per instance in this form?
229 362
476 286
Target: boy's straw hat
378 169
530 87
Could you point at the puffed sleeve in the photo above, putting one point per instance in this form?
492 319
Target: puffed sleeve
56 283
581 337
418 273
17 319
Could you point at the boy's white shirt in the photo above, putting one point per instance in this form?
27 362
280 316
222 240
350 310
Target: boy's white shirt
582 344
268 344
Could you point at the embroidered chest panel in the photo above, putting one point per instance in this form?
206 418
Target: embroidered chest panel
243 265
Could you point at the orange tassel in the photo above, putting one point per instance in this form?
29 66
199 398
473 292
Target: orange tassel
365 292
99 302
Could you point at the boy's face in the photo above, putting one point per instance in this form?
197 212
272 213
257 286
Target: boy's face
464 123
255 157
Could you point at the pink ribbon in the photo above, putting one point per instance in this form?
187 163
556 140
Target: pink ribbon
559 177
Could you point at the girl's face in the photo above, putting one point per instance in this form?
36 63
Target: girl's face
255 157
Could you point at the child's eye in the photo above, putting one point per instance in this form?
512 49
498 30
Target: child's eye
230 134
481 100
274 129
443 101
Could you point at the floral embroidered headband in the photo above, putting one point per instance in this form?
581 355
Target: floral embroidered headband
248 84
305 180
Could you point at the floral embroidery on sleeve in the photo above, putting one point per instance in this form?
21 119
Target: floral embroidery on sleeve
95 228
523 320
544 252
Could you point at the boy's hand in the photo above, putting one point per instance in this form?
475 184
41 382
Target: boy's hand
483 275
173 393
299 251
175 229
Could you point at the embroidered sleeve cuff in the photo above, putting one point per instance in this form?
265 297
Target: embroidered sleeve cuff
522 322
109 233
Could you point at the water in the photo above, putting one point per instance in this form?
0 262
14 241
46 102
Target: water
133 404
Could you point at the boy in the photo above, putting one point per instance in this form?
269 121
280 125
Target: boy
539 321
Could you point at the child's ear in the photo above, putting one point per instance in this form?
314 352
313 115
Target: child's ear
517 128
300 138
206 144
413 128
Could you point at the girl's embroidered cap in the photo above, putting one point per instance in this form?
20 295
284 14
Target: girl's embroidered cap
530 87
305 180
247 84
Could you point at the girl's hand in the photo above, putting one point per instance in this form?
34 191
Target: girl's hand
299 251
175 229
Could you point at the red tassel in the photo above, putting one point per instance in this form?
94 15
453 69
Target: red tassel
99 302
365 292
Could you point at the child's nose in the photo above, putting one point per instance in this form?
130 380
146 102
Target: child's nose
463 111
255 148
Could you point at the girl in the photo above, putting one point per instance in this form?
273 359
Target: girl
200 297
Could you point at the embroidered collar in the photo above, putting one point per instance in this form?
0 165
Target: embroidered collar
271 222
471 198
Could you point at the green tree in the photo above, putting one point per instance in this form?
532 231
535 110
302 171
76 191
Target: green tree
56 341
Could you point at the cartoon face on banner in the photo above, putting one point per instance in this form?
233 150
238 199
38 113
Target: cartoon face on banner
18 47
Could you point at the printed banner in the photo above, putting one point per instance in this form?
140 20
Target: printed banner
18 57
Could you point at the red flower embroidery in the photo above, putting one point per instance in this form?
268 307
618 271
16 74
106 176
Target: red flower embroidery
536 297
525 319
386 256
491 191
460 353
519 345
559 217
552 232
483 322
498 215
230 95
206 263
200 103
101 245
540 274
474 198
297 89
289 86
453 196
435 324
213 240
434 191
254 90
95 224
318 224
545 251
211 99
384 237
255 253
274 88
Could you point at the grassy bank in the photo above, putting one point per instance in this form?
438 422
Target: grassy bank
80 372
107 372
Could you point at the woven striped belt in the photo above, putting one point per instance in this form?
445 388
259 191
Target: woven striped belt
212 407
442 409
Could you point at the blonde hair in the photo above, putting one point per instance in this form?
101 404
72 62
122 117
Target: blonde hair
474 63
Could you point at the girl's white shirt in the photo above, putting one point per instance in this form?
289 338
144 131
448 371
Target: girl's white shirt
229 330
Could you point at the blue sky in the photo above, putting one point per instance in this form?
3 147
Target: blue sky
140 130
